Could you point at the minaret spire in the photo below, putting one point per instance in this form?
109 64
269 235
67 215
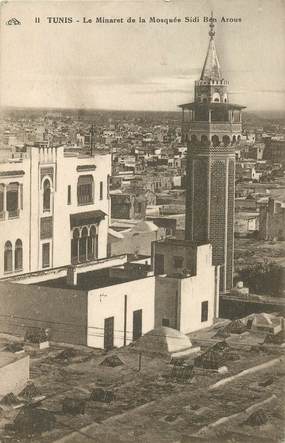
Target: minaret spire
211 69
212 27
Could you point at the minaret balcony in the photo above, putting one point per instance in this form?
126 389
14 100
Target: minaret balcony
214 127
221 82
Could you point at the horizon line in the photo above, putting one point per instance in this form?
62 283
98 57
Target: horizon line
6 107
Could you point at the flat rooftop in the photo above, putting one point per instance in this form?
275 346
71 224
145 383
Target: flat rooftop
182 242
93 279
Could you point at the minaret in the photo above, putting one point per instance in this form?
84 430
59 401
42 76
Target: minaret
212 127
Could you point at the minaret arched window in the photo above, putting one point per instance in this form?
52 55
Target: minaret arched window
8 257
215 140
204 140
46 196
226 140
216 97
18 255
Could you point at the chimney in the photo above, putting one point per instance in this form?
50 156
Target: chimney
71 276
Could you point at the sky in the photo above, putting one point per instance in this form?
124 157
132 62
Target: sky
139 66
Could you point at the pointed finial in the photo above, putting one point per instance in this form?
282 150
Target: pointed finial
212 26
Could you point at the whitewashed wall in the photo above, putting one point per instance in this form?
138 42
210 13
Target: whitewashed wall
109 302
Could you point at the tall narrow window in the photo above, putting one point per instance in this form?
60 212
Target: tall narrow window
1 201
18 255
21 196
85 190
108 185
8 258
74 246
92 243
83 245
46 196
101 190
69 194
45 255
13 199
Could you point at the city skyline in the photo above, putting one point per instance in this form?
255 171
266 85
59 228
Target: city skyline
137 66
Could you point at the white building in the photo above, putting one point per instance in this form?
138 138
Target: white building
54 208
102 307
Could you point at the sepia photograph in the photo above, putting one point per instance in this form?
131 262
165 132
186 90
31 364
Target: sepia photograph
142 221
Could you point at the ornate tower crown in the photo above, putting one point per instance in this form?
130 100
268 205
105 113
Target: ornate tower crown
211 69
211 87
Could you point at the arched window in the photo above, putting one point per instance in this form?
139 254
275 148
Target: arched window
8 258
18 255
215 140
46 196
216 97
226 140
74 246
194 139
234 139
93 243
85 190
83 245
204 140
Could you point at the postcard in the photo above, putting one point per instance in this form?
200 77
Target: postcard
142 221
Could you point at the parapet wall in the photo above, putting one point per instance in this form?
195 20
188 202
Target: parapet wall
62 311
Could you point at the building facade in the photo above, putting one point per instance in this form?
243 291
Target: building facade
212 126
106 307
54 208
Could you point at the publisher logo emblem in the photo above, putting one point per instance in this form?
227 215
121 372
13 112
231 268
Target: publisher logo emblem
13 21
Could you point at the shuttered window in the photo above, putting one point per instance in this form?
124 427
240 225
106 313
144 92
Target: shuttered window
13 199
45 255
85 190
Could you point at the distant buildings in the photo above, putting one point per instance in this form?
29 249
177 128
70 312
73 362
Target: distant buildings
128 205
275 150
272 219
246 223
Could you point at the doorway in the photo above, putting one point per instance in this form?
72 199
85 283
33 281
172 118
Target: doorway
137 324
109 333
